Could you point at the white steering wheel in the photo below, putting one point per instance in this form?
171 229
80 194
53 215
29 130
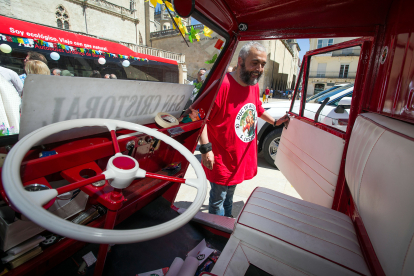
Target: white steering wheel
30 203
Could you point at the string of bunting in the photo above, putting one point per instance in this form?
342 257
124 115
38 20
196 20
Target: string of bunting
28 42
194 34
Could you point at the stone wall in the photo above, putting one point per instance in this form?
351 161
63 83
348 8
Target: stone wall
195 56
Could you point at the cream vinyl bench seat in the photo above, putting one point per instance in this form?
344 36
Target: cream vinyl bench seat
283 235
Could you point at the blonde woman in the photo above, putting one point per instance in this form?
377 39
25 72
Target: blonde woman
36 67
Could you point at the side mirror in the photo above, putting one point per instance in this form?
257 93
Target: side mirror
339 109
345 101
343 104
184 8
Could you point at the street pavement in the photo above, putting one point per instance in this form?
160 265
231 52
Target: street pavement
267 176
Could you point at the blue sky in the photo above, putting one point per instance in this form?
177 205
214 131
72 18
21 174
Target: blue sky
304 47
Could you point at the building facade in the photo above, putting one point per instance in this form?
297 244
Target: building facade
99 18
163 19
280 71
128 22
332 68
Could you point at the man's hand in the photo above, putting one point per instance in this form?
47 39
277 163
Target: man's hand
285 119
208 160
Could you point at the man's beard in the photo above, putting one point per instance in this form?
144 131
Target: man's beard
245 75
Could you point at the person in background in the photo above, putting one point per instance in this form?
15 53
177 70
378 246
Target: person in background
198 82
229 139
36 67
56 72
66 73
234 68
271 92
267 92
13 78
113 76
95 74
32 56
107 76
264 96
230 69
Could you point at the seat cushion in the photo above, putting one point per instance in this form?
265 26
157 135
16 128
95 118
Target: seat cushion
380 176
286 236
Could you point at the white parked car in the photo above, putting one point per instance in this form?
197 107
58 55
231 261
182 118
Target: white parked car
335 113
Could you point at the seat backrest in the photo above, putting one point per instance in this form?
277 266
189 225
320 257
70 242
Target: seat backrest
379 171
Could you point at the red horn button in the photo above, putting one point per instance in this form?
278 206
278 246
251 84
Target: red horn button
123 163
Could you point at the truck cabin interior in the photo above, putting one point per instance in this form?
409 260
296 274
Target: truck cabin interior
356 216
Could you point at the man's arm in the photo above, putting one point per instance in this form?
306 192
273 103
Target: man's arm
208 158
17 83
266 116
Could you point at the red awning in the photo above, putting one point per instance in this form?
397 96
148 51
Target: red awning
9 26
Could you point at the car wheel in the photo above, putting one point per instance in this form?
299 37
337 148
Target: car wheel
271 144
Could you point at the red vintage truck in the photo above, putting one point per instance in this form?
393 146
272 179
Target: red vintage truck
356 216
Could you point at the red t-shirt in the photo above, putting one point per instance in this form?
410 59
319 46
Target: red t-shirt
231 130
267 91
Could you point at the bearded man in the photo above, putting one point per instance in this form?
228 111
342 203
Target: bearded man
228 154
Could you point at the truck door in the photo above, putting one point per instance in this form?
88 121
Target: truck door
312 148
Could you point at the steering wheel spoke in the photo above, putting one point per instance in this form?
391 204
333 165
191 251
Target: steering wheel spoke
80 184
42 197
164 177
193 182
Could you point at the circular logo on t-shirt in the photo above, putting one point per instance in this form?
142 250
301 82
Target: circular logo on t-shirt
246 121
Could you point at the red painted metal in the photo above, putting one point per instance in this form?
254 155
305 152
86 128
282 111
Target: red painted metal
392 94
102 195
216 231
171 193
360 31
79 184
364 240
269 19
123 163
103 248
360 88
165 177
115 141
42 181
387 89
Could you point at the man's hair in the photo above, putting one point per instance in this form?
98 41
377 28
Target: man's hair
244 51
36 67
112 76
36 56
202 69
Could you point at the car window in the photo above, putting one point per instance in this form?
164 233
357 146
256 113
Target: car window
322 93
332 93
324 70
336 101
